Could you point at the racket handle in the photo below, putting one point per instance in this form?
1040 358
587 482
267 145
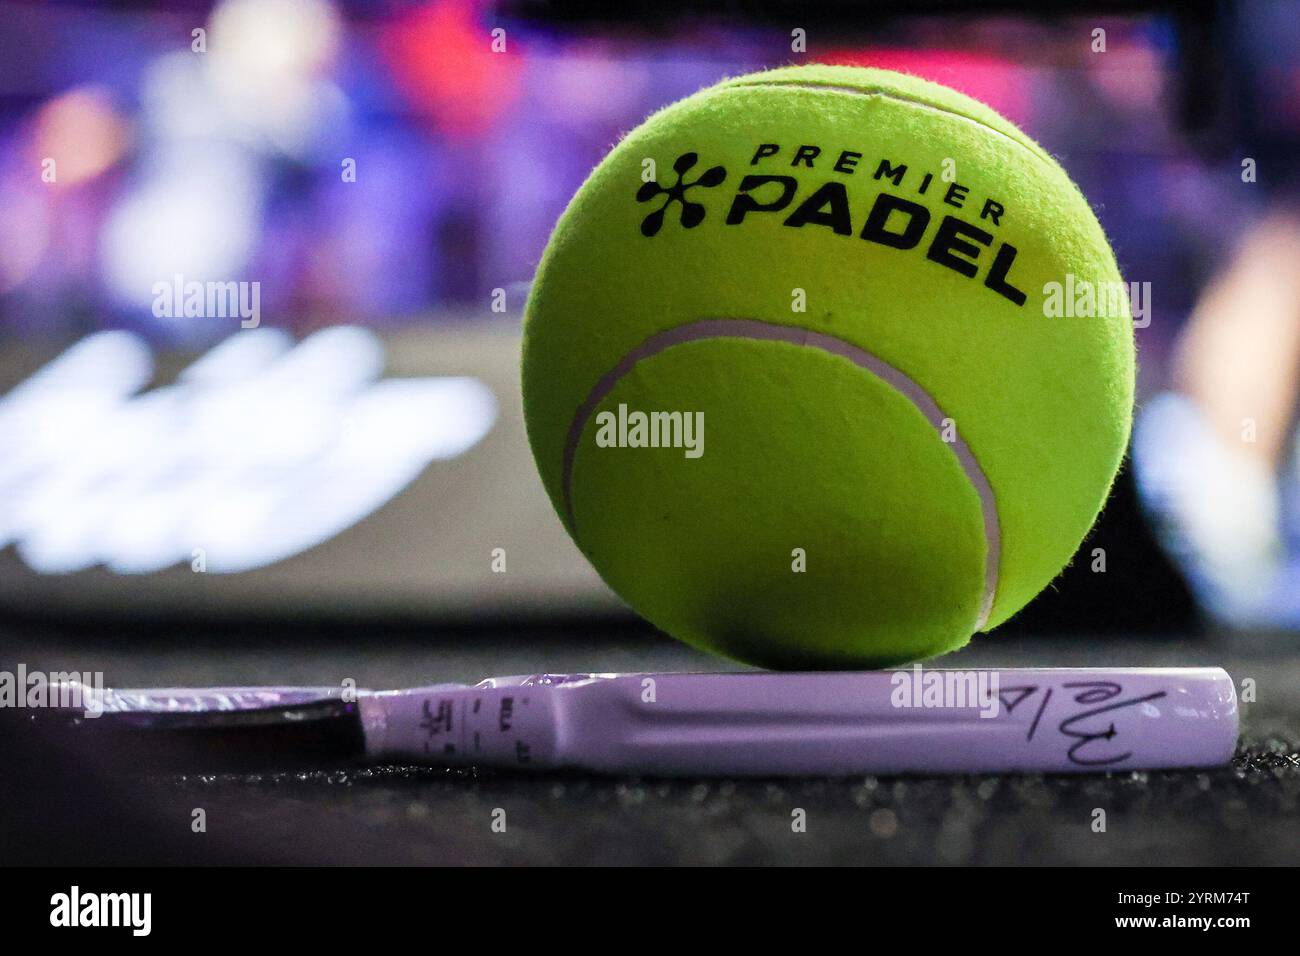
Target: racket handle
1036 720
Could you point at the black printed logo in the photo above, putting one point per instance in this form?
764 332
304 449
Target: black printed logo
692 212
883 203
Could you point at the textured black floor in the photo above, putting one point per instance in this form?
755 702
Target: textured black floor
68 809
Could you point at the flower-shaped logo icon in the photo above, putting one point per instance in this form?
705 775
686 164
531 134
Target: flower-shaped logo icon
692 212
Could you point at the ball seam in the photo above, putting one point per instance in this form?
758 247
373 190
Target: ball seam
1026 144
758 330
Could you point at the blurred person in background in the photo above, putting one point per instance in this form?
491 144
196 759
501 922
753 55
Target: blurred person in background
1216 453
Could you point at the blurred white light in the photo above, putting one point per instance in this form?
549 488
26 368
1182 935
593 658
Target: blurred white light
1217 509
267 66
45 421
238 356
197 219
257 452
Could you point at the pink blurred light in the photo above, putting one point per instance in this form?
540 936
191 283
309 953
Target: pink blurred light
442 60
82 132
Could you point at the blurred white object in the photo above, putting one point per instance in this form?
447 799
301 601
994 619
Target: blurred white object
212 123
1217 509
259 451
347 475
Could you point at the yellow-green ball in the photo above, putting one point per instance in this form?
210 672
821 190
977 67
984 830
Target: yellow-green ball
848 276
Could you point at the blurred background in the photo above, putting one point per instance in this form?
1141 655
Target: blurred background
263 263
262 271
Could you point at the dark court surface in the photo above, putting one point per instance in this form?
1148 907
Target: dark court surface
58 806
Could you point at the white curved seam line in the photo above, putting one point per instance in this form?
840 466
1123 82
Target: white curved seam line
756 330
888 95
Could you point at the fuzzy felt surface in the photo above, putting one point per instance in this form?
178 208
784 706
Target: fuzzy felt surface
1043 401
